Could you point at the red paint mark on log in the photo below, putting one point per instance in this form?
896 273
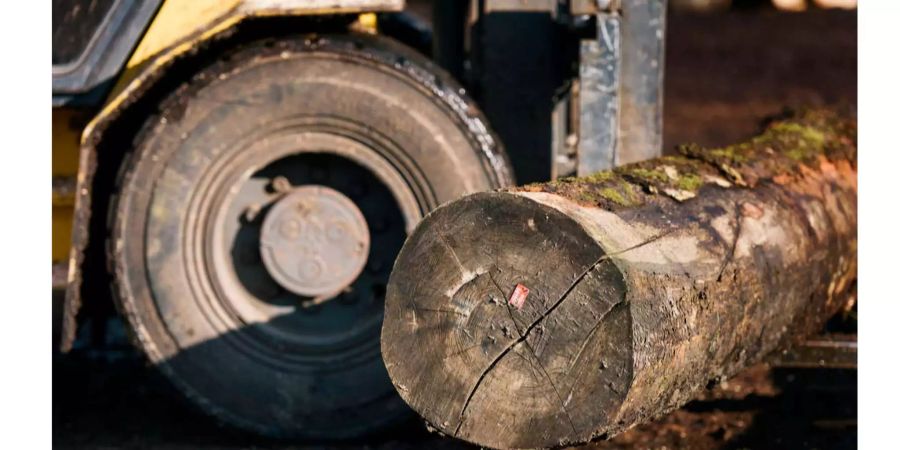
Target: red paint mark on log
751 210
782 179
518 296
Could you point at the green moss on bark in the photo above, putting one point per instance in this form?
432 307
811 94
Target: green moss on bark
781 149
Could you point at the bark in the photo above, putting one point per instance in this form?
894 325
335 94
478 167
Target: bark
643 284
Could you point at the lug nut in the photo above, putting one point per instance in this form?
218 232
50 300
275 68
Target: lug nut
280 184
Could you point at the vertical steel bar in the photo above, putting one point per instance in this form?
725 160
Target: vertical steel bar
621 77
599 97
643 50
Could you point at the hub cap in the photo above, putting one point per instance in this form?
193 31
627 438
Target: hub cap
314 241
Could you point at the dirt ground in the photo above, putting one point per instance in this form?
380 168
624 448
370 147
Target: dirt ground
725 73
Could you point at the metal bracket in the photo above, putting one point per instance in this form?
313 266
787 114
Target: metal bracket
620 86
599 96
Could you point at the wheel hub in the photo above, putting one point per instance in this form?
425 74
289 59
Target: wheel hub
314 241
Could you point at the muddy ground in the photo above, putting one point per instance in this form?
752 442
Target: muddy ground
725 73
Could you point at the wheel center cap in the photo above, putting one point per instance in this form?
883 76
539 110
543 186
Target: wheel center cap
314 241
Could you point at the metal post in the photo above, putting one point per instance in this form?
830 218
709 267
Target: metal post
621 84
599 96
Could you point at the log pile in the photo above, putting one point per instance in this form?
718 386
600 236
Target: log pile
563 312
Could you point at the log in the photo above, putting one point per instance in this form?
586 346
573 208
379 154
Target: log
563 312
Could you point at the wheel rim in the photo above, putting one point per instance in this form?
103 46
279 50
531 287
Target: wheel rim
259 313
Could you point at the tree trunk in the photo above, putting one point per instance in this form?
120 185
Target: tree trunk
558 313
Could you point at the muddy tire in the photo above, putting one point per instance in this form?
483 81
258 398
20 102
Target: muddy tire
362 124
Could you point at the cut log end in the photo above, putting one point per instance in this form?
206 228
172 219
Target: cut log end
535 339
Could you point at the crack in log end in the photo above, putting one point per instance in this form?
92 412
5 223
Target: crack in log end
455 363
537 360
524 335
466 275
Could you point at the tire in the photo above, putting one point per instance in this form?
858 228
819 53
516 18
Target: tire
361 116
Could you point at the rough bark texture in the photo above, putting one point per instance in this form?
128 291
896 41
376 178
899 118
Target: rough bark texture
645 283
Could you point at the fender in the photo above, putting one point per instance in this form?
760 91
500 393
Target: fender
180 29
